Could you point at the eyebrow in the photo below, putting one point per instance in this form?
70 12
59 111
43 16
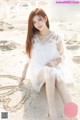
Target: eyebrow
38 18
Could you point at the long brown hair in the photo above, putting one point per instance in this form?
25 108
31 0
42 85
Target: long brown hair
32 30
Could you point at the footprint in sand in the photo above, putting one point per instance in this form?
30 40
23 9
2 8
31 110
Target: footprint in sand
5 26
76 59
7 45
73 47
1 29
72 44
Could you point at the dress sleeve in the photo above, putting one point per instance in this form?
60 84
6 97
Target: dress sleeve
61 46
25 59
59 37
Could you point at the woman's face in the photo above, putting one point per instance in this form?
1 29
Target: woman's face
39 22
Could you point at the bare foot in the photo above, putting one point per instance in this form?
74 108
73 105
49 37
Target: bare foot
51 117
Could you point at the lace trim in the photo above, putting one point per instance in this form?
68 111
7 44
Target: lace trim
49 39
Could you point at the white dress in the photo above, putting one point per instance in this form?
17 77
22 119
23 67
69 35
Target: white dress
41 54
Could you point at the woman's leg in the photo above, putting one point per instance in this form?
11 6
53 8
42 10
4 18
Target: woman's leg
50 92
65 95
63 90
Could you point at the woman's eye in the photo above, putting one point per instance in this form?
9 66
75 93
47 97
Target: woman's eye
34 22
40 19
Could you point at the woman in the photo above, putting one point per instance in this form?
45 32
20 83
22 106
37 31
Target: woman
45 53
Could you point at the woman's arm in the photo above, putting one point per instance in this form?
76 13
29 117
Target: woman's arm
23 73
60 48
54 63
25 70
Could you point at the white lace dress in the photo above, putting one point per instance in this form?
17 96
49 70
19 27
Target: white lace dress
41 54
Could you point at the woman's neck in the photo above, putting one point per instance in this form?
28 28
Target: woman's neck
44 32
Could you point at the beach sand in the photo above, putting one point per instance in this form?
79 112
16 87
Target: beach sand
23 102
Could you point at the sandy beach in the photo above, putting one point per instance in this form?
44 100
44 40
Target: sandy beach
23 102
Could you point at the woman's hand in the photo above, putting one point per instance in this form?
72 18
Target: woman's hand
23 74
21 80
54 63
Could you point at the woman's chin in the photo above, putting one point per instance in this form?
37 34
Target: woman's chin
40 30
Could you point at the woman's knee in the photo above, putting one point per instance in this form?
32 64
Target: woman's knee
59 82
52 77
46 74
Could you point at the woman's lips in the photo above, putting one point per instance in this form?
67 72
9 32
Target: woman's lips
39 27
